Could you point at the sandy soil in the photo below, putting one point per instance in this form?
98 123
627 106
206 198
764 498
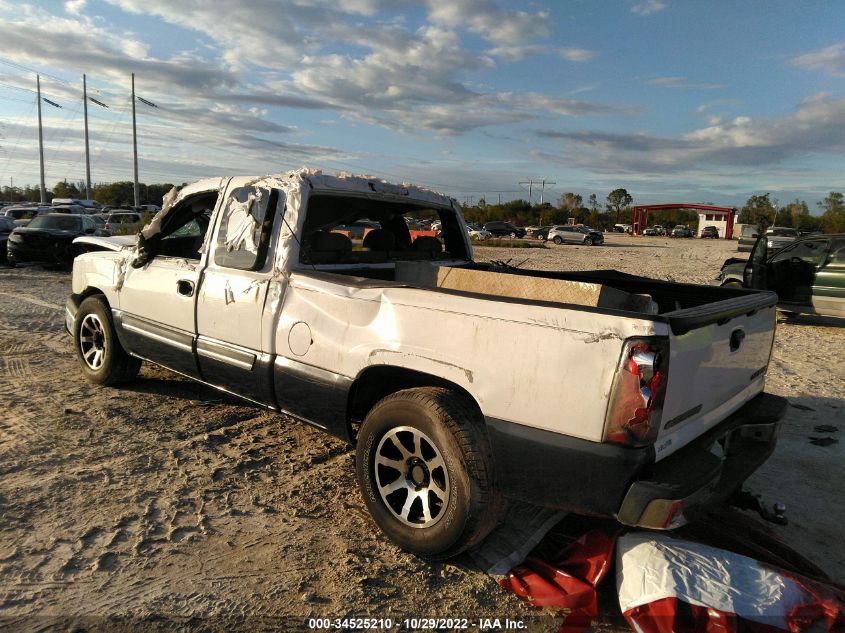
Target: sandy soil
168 504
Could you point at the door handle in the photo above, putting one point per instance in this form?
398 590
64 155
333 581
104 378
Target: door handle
185 287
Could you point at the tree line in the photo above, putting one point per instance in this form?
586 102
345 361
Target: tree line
616 208
115 194
764 211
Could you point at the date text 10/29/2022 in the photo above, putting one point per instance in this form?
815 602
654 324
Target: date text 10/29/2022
416 624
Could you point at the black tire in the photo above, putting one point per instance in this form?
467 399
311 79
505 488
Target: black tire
732 284
12 262
103 359
512 235
558 240
446 432
588 241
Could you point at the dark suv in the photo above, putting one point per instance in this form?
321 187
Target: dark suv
710 231
501 229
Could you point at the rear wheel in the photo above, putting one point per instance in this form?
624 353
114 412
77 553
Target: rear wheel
103 359
558 240
425 470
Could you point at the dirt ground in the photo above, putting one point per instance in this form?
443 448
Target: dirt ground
167 504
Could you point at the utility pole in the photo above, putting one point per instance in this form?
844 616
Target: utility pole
530 183
135 142
87 156
543 189
40 141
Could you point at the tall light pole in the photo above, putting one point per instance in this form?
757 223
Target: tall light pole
40 141
135 143
87 155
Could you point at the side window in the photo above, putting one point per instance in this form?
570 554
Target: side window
245 228
810 252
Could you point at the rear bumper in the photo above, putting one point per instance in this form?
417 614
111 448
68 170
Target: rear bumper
585 477
707 470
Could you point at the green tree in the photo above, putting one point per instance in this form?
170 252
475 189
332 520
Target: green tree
833 216
759 210
593 203
617 200
64 189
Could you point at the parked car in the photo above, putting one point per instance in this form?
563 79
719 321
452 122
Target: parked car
710 231
7 225
542 232
779 236
504 229
49 239
357 229
23 214
622 228
681 230
475 232
90 206
117 219
443 433
747 238
575 235
808 274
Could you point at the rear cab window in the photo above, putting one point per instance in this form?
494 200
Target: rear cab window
360 230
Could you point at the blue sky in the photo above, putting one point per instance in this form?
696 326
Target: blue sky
675 101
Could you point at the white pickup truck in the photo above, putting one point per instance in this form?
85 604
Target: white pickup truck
460 383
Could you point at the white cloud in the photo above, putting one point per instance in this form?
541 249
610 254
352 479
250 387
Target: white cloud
576 54
487 19
815 127
75 7
648 7
830 60
682 82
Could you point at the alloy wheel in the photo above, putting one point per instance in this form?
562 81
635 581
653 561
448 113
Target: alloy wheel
411 477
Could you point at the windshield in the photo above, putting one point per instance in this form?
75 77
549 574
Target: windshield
54 222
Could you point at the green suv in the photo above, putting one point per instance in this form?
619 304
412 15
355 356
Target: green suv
808 275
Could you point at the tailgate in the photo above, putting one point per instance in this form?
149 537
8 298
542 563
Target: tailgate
718 355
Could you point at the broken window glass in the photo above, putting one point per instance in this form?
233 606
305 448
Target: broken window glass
245 228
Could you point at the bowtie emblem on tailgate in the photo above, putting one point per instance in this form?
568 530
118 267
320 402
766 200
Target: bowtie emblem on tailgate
736 339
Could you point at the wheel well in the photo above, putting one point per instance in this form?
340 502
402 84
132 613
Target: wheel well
374 383
90 291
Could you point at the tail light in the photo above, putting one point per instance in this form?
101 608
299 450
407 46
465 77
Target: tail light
636 399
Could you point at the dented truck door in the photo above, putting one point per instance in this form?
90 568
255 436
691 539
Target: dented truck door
233 291
156 315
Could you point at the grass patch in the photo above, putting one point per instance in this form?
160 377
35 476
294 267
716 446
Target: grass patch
508 243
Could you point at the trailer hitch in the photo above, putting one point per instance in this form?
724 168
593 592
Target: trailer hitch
745 500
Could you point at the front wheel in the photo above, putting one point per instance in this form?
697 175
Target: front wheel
512 235
103 359
588 241
558 240
425 470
